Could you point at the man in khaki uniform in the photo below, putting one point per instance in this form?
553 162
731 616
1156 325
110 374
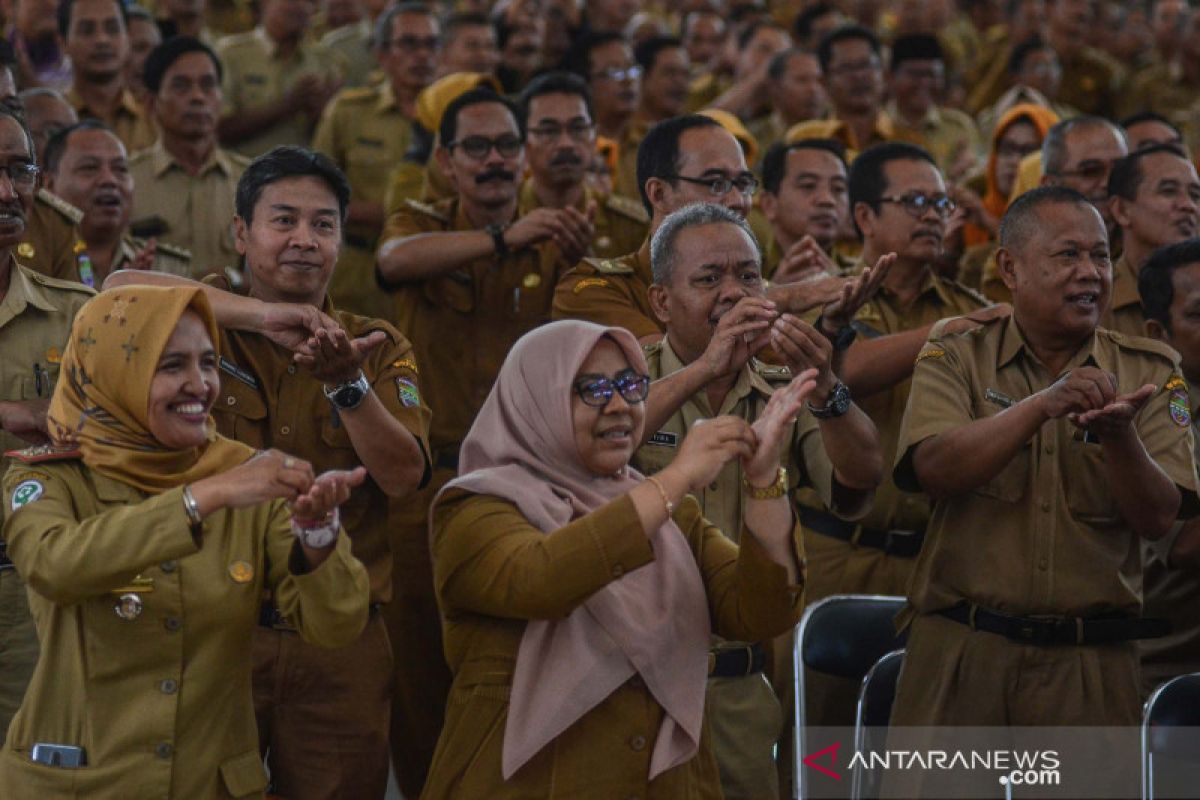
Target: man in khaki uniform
1169 285
276 84
35 319
471 277
1155 200
1091 79
355 400
1025 605
354 44
97 40
559 139
366 132
796 93
707 264
186 182
86 164
605 61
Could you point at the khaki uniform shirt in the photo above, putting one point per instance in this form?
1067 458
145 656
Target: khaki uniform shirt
353 44
130 122
1124 312
610 292
945 132
884 131
267 401
52 242
168 259
197 210
491 566
160 703
255 75
229 16
462 324
625 181
621 223
1044 535
1091 81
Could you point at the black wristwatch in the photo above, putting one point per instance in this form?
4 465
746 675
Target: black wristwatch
496 231
349 395
836 405
842 338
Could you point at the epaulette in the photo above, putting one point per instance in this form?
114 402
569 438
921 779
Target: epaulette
427 210
237 158
1142 343
58 283
608 266
174 250
776 373
41 453
236 40
357 94
627 207
61 206
974 294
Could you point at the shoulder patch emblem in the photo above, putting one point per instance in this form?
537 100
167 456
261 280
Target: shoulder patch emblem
408 393
608 266
406 363
26 492
933 352
584 283
1177 405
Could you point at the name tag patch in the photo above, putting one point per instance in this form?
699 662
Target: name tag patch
242 375
664 439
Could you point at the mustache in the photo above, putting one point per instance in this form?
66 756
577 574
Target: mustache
497 174
566 157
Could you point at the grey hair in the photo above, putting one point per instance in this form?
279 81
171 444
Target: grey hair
1054 146
662 244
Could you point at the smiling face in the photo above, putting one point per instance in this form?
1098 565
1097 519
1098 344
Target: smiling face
93 175
1166 208
291 244
15 201
606 437
491 179
184 386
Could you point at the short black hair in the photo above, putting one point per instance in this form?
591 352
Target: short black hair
646 52
448 129
1126 176
779 62
289 161
1156 282
1024 49
802 28
1020 219
557 82
917 47
162 57
56 145
753 28
774 163
867 181
658 154
579 58
843 34
64 16
690 16
1147 116
381 33
463 19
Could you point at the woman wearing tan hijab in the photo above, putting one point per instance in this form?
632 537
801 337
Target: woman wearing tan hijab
578 597
146 541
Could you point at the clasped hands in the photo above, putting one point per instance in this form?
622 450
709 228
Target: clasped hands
318 342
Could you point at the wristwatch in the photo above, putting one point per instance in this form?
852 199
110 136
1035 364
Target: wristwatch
496 231
349 395
842 338
837 404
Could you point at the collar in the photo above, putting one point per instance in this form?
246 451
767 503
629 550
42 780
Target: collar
1124 285
527 199
161 160
128 104
1012 344
883 128
930 121
24 291
930 283
387 98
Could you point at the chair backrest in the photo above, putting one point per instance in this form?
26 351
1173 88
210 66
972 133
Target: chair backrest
845 635
870 722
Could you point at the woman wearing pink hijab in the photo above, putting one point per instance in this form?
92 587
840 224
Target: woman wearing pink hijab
578 597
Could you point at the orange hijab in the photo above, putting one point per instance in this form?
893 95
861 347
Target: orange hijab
103 393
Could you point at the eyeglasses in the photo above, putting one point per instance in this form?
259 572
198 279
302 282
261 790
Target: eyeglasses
916 204
415 43
618 74
550 132
745 183
477 147
597 390
21 174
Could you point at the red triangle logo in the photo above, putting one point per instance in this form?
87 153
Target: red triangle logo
831 751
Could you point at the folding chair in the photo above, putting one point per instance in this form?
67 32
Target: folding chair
842 635
871 719
1169 732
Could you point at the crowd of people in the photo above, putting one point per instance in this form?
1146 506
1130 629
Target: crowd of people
478 393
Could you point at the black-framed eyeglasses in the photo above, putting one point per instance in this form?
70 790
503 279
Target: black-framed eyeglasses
551 131
477 147
597 390
917 204
719 186
21 174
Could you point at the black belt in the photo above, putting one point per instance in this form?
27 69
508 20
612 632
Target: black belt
1057 630
446 458
904 544
270 617
736 662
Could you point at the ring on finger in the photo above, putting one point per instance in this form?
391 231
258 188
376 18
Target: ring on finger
289 462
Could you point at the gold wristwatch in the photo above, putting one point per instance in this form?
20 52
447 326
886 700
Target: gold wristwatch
777 489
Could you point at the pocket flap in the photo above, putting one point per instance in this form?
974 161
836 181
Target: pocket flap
244 774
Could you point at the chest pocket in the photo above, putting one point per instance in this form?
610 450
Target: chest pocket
1088 495
1010 484
241 413
651 458
455 291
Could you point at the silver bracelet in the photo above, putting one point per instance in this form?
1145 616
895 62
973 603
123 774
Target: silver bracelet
320 536
191 508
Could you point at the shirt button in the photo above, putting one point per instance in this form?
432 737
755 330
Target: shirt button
1046 505
231 400
168 686
638 743
713 486
292 369
618 571
285 430
163 750
172 623
168 566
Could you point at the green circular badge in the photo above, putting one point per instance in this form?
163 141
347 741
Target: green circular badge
26 492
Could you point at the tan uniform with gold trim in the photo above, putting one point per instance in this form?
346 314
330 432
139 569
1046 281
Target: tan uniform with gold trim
610 291
621 223
130 121
1044 536
197 210
52 238
365 132
462 325
1124 312
35 321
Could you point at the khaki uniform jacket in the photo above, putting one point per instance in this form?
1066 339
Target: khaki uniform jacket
130 122
1124 312
884 131
267 401
610 291
462 324
198 210
167 258
945 132
621 223
493 571
1044 535
52 242
160 703
255 75
353 44
625 181
1091 81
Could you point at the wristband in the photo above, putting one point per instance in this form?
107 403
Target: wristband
663 493
777 489
317 534
191 508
